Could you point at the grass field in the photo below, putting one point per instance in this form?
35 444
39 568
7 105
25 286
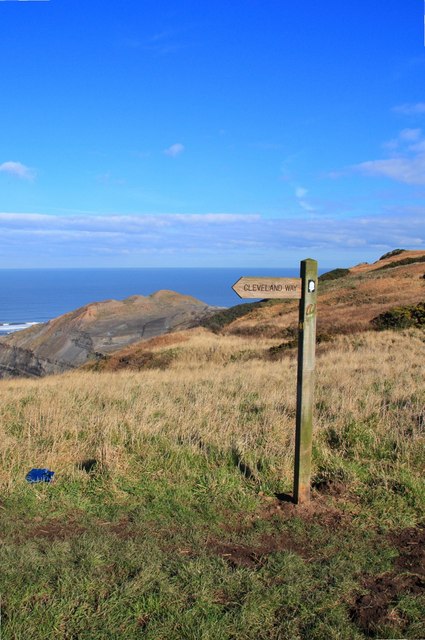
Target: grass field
163 521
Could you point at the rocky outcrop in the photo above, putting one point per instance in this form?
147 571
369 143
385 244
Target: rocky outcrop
17 362
95 330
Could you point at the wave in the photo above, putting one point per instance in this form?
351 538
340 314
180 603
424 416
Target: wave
11 327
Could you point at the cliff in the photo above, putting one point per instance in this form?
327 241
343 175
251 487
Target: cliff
95 330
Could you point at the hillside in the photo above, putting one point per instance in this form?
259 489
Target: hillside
347 304
116 334
166 518
95 329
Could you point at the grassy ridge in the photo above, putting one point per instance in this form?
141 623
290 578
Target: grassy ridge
401 263
335 274
163 521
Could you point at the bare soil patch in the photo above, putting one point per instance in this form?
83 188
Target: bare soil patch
122 529
381 593
237 555
253 556
411 545
54 529
70 527
374 607
318 511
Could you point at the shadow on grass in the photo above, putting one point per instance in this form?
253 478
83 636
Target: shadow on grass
285 497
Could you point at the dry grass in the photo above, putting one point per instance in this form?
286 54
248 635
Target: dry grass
348 304
378 264
219 392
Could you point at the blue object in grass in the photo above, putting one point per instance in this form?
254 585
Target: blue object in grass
39 475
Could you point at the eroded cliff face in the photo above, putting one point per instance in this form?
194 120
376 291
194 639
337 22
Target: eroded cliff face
96 329
17 362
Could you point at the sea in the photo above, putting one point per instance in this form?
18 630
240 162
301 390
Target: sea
30 296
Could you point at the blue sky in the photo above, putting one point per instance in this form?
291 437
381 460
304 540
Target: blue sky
210 133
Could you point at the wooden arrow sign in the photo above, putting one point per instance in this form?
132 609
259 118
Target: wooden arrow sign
283 288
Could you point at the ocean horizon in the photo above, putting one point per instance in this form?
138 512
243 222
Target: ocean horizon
37 295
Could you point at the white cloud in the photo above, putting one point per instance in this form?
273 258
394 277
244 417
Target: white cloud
300 194
410 135
404 137
196 238
407 161
418 147
306 206
174 150
17 169
407 170
409 109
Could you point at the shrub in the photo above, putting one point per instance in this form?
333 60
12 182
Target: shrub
400 263
218 320
291 334
390 254
401 317
334 274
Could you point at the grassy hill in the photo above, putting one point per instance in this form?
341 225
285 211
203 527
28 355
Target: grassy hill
346 303
163 520
387 293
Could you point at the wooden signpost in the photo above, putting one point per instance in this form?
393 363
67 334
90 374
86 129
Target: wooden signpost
283 288
303 289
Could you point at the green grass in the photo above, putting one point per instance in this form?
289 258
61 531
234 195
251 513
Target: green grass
144 554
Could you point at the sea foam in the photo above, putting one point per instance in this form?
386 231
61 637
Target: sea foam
11 327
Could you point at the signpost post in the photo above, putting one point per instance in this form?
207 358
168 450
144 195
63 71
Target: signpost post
303 289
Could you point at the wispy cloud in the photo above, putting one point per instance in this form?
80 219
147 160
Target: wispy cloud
108 179
18 170
175 150
410 109
300 194
410 135
167 41
164 36
407 170
200 239
406 162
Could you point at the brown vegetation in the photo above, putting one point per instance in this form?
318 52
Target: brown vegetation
345 305
217 391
